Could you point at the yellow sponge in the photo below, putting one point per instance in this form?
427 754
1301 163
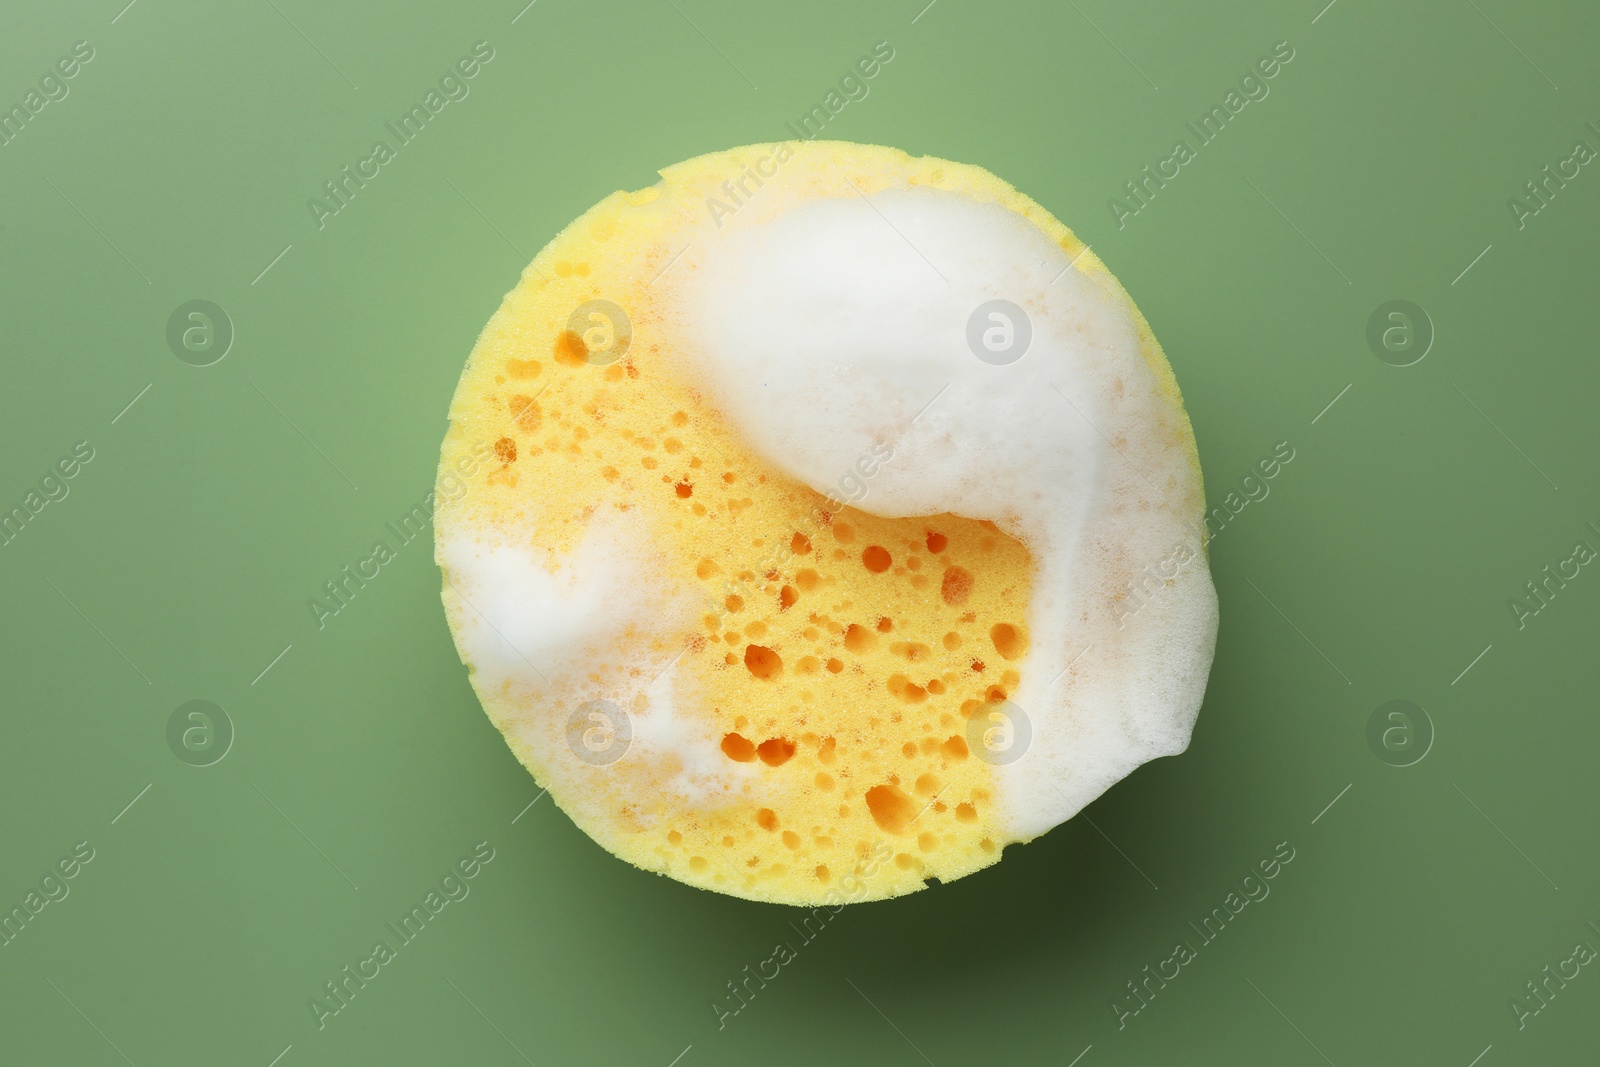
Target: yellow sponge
722 673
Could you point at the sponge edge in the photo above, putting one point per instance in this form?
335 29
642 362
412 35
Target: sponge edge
795 308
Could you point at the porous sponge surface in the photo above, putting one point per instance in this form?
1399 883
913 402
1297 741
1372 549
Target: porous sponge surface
823 665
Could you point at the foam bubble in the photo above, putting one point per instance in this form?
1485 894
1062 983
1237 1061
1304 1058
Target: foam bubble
543 632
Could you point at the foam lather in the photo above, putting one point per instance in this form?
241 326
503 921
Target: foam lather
843 505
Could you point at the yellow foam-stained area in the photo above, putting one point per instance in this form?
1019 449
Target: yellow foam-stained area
835 658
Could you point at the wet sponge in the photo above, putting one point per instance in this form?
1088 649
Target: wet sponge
785 685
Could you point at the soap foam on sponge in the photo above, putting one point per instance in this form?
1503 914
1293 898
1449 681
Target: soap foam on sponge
802 681
828 327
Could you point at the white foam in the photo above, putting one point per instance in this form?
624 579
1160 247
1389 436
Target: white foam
523 615
703 776
825 328
538 628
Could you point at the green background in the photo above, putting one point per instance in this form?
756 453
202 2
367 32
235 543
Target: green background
1379 566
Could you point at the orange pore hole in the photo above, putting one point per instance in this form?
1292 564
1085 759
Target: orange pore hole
1008 640
956 586
891 808
738 748
569 349
776 751
762 661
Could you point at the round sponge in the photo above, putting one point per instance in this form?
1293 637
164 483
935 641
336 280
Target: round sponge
833 522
